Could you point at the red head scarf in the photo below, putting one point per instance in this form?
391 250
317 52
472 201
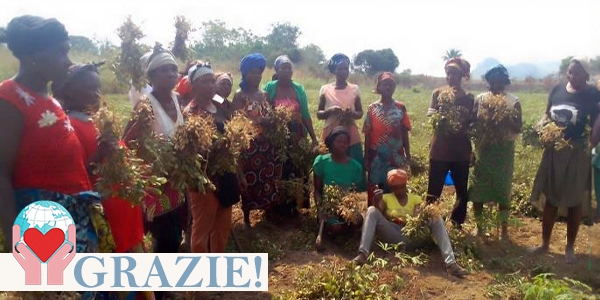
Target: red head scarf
397 177
381 78
461 64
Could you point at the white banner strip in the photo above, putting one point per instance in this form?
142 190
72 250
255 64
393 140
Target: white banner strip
142 272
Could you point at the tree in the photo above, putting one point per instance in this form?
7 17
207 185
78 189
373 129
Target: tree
83 44
283 39
372 62
220 42
312 55
564 65
451 53
182 30
128 69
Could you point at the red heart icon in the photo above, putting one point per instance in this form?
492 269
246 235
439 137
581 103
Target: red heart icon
44 245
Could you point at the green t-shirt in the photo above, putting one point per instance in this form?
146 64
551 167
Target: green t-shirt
345 175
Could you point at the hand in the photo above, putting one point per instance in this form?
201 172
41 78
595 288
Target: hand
59 261
335 110
26 258
377 194
106 145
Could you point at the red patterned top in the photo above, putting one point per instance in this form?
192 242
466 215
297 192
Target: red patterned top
50 155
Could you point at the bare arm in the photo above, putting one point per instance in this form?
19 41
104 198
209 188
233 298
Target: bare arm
238 102
519 119
309 127
358 111
595 136
10 117
406 143
318 185
433 107
322 114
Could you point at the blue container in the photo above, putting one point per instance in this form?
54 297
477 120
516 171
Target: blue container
449 179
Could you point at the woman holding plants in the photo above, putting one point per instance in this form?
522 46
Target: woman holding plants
336 168
284 92
499 122
563 178
451 113
386 130
340 104
261 164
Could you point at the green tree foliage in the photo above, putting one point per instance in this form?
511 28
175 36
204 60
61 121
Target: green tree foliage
183 28
283 39
83 44
372 62
220 42
451 53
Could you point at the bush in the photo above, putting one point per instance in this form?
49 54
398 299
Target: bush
544 286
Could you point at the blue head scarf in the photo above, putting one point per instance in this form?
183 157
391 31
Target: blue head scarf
498 71
249 62
337 60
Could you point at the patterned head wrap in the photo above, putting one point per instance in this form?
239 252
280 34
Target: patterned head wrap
249 62
199 70
383 77
156 59
461 64
75 72
498 71
337 60
333 134
281 60
26 35
397 177
224 76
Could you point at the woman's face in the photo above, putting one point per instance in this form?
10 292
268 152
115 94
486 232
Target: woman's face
453 76
386 88
224 88
577 76
254 77
164 78
342 71
285 72
85 92
53 63
496 85
399 189
205 87
340 144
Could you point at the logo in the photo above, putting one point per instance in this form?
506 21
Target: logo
44 233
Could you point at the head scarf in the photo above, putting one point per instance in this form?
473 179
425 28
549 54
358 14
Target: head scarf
249 62
26 35
381 78
183 86
281 60
584 62
397 177
156 59
498 71
199 70
75 72
461 64
224 76
337 60
333 134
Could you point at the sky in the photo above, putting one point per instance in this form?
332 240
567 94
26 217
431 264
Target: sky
419 32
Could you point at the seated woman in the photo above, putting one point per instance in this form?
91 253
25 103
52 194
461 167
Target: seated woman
335 168
386 220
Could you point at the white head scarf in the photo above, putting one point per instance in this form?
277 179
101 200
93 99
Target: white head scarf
155 61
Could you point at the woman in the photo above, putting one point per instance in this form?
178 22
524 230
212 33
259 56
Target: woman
450 150
224 83
335 168
211 212
261 164
41 157
387 218
284 92
161 71
494 165
386 130
80 95
339 104
563 177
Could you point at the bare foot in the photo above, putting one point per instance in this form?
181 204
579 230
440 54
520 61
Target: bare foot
570 255
543 249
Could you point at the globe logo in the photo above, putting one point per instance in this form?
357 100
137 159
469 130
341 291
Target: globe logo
44 227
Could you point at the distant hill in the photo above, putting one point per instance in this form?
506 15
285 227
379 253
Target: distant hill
518 71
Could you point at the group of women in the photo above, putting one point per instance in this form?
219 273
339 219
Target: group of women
52 146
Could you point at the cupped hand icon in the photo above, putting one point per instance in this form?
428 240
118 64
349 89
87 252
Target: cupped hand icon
26 258
63 256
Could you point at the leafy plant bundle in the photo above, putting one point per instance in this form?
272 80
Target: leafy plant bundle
227 147
416 228
495 120
342 202
449 117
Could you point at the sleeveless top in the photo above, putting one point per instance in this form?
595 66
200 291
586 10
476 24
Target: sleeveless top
163 124
50 156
